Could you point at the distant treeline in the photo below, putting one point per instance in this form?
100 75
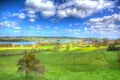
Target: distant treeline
42 38
12 39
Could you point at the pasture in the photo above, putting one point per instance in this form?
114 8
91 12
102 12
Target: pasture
78 63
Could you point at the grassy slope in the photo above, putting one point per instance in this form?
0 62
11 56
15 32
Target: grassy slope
77 64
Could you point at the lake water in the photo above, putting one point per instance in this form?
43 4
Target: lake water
31 43
20 43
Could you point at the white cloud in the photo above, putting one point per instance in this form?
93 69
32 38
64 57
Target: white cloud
106 19
11 24
83 8
31 20
17 28
45 7
75 8
21 16
38 28
31 14
8 24
105 25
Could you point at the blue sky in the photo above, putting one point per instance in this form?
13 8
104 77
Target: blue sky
72 18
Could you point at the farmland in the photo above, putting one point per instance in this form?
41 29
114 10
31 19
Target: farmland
79 63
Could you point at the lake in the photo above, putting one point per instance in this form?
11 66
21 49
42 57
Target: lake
31 43
20 43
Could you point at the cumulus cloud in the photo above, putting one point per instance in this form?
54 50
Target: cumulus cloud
45 7
38 28
106 19
83 8
104 25
21 16
75 8
17 28
31 20
11 24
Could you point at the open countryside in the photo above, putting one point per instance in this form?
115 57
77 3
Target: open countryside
59 39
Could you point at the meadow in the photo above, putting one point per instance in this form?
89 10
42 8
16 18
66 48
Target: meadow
79 63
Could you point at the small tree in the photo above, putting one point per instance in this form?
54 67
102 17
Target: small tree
30 64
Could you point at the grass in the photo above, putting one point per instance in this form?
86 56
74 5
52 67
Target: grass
80 63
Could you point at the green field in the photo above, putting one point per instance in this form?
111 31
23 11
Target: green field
79 63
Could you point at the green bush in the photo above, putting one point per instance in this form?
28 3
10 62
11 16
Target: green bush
112 47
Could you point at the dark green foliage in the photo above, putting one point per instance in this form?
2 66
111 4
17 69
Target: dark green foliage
112 47
30 64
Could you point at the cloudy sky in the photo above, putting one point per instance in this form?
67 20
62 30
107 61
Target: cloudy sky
73 18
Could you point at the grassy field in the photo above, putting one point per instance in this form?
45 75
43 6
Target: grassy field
79 63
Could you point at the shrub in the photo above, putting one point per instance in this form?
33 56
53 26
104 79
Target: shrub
111 47
30 64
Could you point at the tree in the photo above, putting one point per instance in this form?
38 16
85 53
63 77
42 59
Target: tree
30 64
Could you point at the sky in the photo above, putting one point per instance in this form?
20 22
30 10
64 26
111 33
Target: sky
61 18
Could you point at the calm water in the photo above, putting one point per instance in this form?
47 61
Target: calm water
31 43
20 43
